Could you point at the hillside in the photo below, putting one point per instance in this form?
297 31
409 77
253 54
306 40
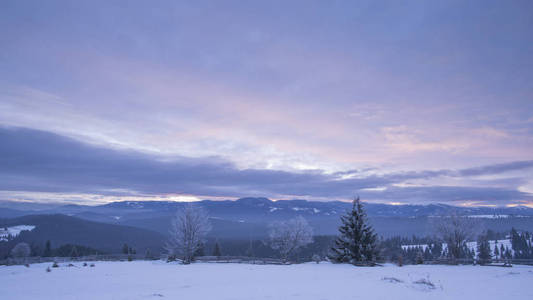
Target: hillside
61 229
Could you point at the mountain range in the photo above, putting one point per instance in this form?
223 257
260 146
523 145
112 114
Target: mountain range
242 219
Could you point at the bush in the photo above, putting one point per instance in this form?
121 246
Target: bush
316 258
400 261
48 270
55 265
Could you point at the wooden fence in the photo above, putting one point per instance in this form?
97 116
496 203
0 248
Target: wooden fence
240 259
469 261
126 257
233 259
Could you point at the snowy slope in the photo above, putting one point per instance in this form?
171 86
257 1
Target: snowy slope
13 231
159 280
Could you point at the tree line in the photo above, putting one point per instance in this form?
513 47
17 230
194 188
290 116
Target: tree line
293 240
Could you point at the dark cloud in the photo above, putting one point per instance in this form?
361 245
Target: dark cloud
34 160
497 168
42 161
450 194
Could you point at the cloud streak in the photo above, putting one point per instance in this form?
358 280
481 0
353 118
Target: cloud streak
41 161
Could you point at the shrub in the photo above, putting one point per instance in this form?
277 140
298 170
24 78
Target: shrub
316 258
400 261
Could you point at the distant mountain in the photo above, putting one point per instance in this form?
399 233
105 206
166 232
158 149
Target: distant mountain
264 206
249 217
12 213
61 229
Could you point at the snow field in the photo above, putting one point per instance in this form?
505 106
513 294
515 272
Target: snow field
13 231
310 281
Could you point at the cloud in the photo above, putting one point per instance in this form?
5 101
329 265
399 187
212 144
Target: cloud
451 194
404 139
39 161
497 168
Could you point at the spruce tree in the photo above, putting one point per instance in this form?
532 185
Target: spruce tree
419 259
200 250
47 249
483 249
357 240
496 252
74 251
217 252
148 254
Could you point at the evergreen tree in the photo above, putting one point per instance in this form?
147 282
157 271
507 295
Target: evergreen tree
35 250
47 249
125 249
217 252
508 253
148 254
427 253
483 249
200 250
74 252
436 250
496 251
357 240
250 250
419 258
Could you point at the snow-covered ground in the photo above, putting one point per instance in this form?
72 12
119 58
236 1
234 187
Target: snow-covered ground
14 231
159 280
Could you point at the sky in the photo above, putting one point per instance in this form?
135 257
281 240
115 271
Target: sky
402 102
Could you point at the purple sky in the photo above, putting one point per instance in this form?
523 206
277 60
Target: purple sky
397 101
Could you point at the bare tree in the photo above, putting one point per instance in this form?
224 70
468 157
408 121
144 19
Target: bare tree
455 231
21 250
288 236
187 231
